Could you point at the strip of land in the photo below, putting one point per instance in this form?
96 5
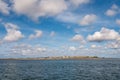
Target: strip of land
56 58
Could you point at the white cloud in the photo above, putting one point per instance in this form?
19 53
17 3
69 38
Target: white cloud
13 33
38 34
118 21
68 17
93 46
113 45
39 49
104 34
114 6
77 38
4 7
52 33
79 2
88 19
37 8
26 49
112 11
118 39
81 46
53 7
72 48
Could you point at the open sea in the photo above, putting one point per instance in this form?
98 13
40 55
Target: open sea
103 69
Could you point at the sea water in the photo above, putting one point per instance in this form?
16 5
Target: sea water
103 69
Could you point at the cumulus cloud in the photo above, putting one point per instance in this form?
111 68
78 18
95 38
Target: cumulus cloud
104 34
88 19
77 38
38 34
4 7
118 21
112 11
13 33
37 8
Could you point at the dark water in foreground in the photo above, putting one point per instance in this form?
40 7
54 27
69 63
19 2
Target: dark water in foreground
60 70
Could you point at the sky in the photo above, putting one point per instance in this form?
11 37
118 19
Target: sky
42 28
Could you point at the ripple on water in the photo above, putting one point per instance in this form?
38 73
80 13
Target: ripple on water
60 70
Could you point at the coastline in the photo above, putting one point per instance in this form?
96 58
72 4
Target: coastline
59 58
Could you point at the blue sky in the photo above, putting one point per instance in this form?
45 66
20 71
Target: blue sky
41 28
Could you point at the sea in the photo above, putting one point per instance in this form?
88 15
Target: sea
101 69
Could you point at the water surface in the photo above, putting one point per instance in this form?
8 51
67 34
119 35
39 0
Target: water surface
104 69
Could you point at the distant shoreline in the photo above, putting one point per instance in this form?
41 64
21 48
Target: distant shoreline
59 58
